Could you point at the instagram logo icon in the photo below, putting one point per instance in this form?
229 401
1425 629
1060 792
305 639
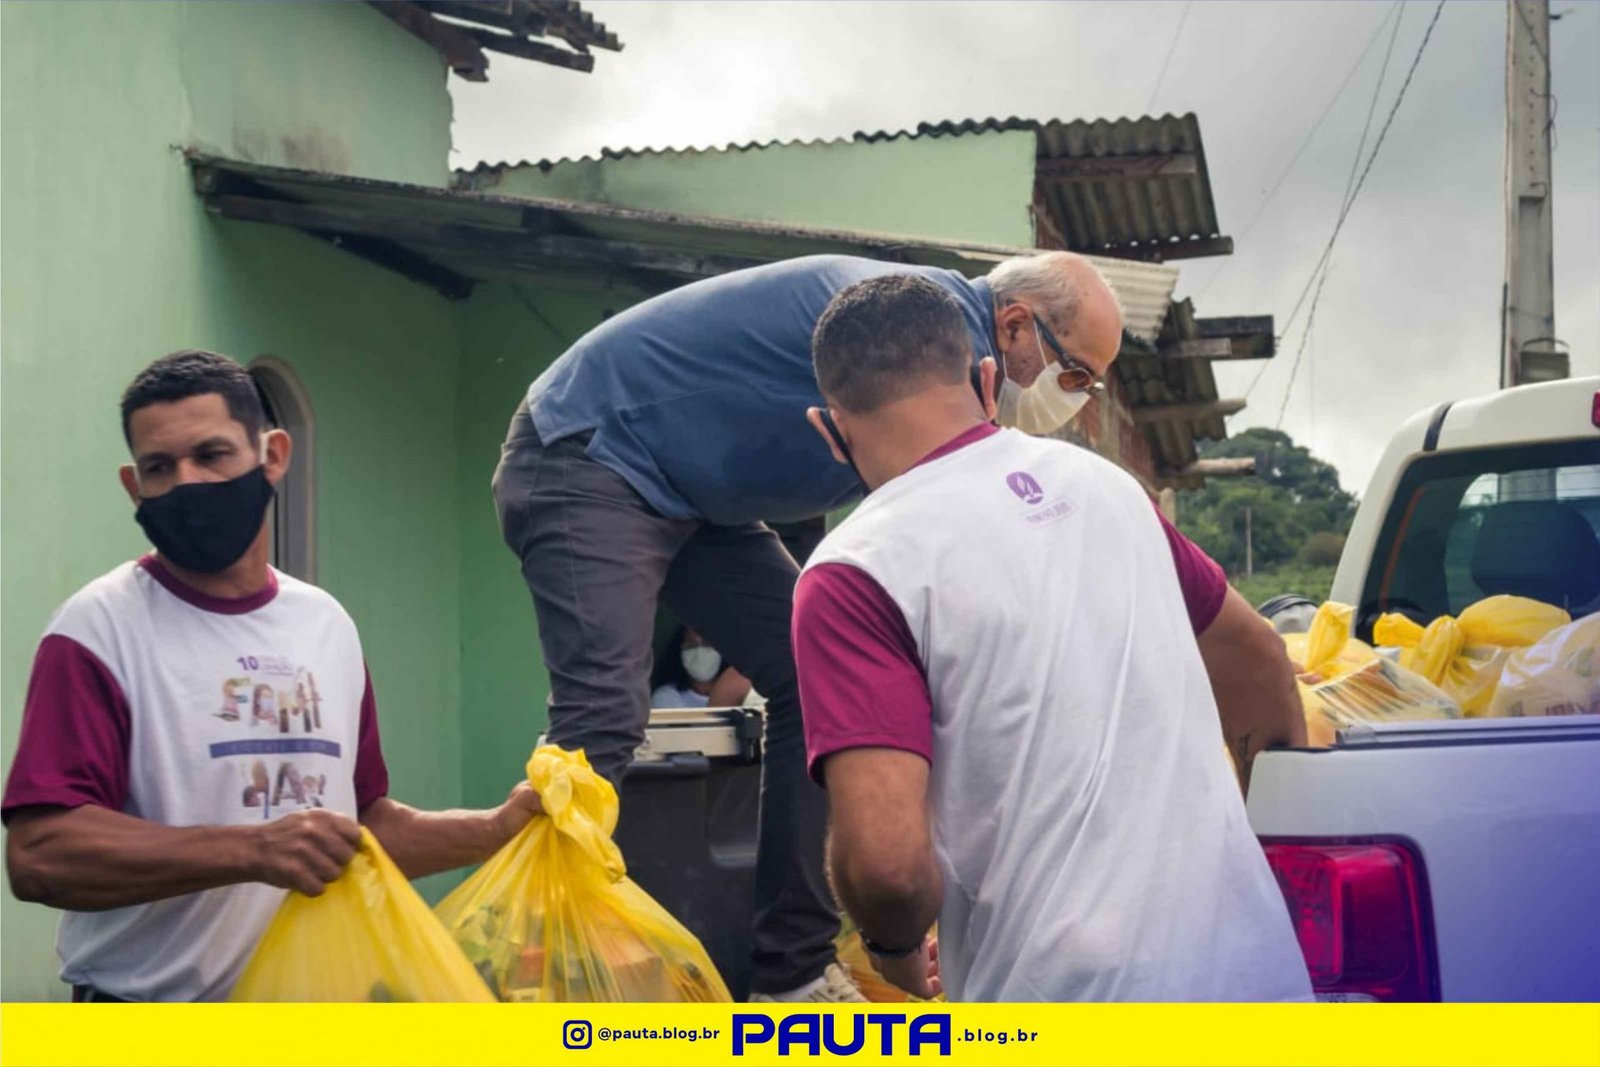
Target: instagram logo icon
577 1033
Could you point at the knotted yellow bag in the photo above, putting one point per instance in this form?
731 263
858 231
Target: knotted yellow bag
1464 656
552 917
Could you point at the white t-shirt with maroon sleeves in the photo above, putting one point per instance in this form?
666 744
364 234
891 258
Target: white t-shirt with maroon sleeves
152 699
1011 611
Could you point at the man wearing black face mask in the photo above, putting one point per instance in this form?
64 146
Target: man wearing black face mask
135 802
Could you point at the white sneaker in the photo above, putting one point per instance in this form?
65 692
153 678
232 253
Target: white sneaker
834 987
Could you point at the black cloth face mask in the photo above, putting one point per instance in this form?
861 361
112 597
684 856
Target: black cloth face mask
206 526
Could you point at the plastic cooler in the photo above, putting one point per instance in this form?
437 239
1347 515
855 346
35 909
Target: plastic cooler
688 826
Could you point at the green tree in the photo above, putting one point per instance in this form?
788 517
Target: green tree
1292 498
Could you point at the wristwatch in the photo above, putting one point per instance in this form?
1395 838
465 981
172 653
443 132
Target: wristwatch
888 953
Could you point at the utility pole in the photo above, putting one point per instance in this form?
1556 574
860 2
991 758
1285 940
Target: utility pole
1530 351
1249 546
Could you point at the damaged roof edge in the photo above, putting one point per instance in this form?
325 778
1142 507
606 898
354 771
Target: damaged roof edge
1146 286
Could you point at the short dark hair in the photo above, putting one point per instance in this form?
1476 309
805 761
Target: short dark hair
886 338
195 372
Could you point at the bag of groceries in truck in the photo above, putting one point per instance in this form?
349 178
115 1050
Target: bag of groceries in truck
1556 675
1327 650
553 917
1465 655
1343 681
368 937
1382 691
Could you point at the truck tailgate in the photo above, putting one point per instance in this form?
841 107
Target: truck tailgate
1506 816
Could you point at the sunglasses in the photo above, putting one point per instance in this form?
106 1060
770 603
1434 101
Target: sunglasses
1084 379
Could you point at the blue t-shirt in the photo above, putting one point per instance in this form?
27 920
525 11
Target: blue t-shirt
698 396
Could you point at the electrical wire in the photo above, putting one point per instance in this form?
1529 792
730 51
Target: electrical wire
1372 109
1318 272
1171 48
1304 144
1305 337
1361 182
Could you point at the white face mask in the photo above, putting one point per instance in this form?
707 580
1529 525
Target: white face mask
703 663
1043 407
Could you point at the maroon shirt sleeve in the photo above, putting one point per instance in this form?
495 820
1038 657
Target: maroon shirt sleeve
862 684
372 774
73 749
1202 578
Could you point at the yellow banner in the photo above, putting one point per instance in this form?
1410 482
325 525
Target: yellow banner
423 1035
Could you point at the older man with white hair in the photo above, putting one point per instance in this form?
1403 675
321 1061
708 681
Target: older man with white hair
644 464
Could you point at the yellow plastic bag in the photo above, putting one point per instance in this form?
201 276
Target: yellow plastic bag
1559 675
1464 656
368 937
1327 650
1382 691
551 916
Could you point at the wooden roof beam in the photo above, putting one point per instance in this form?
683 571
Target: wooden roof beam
534 50
1229 467
453 42
1161 251
1144 416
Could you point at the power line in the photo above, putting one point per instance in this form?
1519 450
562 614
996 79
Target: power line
1304 144
1362 181
1318 274
1305 337
1171 48
1372 109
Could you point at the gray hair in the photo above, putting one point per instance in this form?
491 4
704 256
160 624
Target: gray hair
1043 283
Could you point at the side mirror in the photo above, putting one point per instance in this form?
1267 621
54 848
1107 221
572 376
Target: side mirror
1289 613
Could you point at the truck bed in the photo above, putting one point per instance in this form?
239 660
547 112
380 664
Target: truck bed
1505 814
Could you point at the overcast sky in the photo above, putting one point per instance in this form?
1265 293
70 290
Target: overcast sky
1410 312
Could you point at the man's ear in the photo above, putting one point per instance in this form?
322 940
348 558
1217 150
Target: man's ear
1010 320
988 386
130 483
814 417
280 448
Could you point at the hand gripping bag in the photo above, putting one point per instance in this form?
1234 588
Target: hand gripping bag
552 917
368 937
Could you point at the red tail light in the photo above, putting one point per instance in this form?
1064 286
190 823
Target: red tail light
1594 410
1360 910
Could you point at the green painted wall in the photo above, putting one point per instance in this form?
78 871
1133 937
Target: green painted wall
510 335
976 187
109 261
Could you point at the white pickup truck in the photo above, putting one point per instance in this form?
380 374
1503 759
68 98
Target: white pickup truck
1456 860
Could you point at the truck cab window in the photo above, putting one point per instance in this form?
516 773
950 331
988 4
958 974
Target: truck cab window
1468 525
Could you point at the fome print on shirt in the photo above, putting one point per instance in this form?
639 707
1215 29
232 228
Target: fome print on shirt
280 708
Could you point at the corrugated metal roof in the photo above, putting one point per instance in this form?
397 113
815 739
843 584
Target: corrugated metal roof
1122 212
1151 380
474 236
453 238
1143 289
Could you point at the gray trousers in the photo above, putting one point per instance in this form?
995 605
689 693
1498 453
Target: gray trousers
596 558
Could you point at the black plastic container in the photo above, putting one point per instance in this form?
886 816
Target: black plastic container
687 828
